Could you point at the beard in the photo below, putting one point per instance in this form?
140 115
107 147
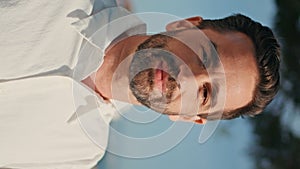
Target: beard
148 57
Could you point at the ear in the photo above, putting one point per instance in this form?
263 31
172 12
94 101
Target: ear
184 24
196 119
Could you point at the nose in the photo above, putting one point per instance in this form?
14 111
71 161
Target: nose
189 91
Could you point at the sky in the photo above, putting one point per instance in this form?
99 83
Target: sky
259 10
230 145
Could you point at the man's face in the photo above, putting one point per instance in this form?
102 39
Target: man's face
180 75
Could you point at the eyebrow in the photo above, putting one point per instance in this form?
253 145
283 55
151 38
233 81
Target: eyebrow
215 87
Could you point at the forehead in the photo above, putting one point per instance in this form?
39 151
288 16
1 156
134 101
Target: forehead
237 55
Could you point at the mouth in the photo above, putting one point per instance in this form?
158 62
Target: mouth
161 78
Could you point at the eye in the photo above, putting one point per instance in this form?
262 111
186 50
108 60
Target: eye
205 95
204 92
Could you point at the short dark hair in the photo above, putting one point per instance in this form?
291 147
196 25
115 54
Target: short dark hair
267 54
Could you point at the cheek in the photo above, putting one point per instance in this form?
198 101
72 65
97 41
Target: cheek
181 104
174 104
174 107
183 53
142 83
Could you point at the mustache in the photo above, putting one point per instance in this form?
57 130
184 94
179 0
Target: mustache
145 61
142 86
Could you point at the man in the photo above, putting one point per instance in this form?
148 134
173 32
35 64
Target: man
43 122
248 52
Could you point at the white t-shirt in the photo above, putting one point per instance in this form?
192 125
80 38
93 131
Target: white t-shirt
48 118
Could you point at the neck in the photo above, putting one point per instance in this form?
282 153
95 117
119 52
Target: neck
111 80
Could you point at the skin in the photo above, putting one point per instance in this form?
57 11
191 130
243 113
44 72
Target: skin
241 75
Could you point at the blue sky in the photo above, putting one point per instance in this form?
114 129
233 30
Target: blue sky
229 146
260 10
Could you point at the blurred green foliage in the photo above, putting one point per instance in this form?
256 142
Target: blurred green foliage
288 28
276 145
